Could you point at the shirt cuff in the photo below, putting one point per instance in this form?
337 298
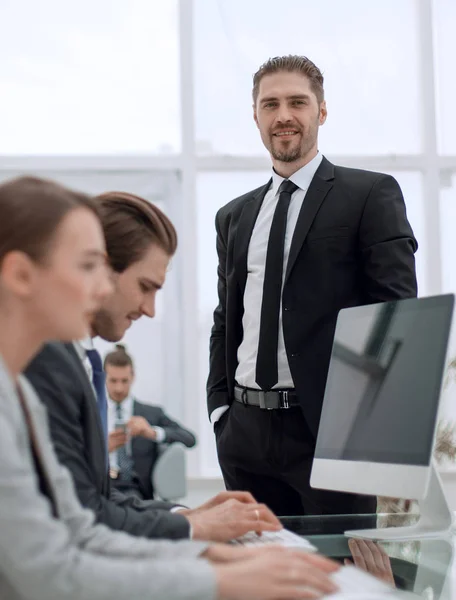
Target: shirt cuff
160 433
217 413
175 509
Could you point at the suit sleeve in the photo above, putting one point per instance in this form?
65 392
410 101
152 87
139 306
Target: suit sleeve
387 244
175 432
58 390
217 388
138 505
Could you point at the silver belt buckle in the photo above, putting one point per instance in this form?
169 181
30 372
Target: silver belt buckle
284 402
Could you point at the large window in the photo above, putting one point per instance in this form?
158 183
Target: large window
448 225
101 87
89 77
367 52
445 48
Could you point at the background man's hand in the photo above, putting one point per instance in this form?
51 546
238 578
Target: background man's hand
371 557
231 519
138 426
116 439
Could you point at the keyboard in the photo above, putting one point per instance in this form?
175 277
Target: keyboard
282 537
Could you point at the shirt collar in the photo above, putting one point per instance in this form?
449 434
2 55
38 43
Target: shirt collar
126 404
301 178
86 343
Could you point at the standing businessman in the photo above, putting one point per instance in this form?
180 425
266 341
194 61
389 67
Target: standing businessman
314 239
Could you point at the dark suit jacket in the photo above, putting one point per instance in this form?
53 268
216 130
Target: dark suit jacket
352 245
145 452
61 383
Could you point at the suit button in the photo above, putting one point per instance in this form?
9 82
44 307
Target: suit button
295 355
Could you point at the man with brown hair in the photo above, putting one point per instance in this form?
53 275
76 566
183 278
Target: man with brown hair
69 379
314 239
136 431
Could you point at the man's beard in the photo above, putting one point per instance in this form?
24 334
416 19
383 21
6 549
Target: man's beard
104 327
286 156
294 153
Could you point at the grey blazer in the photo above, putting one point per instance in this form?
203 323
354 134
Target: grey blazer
69 557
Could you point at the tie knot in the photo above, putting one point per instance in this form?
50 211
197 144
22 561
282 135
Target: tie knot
95 360
288 187
119 411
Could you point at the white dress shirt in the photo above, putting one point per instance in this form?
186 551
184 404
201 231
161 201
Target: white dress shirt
256 263
81 346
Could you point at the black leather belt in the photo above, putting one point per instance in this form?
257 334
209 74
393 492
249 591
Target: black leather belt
274 399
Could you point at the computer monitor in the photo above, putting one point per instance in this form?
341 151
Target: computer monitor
380 408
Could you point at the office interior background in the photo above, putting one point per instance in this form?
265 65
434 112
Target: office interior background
154 97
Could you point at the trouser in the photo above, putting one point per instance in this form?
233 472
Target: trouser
269 453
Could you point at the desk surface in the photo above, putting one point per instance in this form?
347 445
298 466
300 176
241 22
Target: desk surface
423 567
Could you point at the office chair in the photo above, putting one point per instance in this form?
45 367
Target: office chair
169 476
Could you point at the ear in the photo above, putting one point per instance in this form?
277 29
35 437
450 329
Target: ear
323 112
18 273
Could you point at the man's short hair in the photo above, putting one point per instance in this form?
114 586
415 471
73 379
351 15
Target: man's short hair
292 64
131 224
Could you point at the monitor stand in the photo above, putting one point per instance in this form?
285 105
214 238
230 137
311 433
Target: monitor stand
436 518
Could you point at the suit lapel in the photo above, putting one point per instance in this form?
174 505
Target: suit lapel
136 411
318 189
35 417
245 226
91 403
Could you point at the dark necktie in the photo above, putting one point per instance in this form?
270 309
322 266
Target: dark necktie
124 461
98 380
267 374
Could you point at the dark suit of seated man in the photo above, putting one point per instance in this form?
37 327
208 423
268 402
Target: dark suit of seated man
136 430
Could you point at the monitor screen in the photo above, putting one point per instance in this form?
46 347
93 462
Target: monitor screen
384 381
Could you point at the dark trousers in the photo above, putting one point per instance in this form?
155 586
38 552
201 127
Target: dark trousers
269 453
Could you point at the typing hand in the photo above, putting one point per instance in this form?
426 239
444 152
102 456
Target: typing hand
220 498
372 558
231 519
116 439
274 573
138 426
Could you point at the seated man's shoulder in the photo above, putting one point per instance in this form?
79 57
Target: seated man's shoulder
149 408
55 356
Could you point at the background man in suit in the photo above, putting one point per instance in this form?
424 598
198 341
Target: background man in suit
69 379
134 448
314 239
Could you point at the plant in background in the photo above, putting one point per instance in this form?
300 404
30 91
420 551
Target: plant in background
444 452
445 443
